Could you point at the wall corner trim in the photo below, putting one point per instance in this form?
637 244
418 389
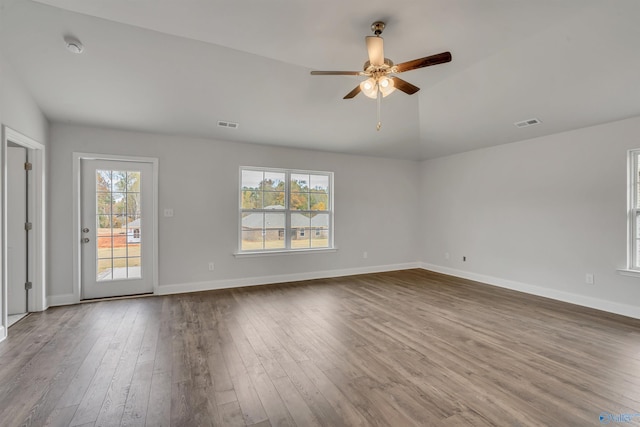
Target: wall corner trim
585 301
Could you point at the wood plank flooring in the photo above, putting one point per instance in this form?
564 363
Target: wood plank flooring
390 349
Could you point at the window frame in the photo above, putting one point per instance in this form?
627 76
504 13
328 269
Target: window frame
633 209
288 232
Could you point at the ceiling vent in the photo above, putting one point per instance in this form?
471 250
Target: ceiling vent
526 123
230 125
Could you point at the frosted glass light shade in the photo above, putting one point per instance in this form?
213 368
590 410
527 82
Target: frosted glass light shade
386 86
370 88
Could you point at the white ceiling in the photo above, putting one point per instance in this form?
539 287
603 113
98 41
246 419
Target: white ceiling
179 66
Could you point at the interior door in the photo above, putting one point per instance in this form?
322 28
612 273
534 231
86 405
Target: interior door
116 238
16 232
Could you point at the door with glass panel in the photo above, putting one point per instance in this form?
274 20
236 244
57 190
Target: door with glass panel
117 238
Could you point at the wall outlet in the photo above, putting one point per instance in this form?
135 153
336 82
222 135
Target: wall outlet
211 266
588 279
168 212
447 255
365 255
464 258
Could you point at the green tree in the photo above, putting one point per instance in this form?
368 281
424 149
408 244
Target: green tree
104 198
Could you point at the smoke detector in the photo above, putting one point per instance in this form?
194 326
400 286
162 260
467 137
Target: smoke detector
73 44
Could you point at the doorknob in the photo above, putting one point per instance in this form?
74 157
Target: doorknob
85 240
85 230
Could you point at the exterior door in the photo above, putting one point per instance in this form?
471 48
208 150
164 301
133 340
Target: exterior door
117 239
16 231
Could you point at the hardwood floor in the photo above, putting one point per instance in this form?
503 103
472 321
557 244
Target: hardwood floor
390 349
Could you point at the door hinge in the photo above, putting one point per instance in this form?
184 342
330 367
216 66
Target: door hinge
28 166
28 285
28 226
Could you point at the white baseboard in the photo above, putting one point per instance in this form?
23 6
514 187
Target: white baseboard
599 304
3 333
179 288
66 299
585 301
280 278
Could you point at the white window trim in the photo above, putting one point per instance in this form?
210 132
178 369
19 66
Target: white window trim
632 212
287 249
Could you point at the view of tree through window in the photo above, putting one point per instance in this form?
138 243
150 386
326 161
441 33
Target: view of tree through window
280 208
118 224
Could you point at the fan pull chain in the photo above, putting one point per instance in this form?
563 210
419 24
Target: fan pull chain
379 125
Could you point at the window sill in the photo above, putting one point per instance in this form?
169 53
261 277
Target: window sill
631 273
284 252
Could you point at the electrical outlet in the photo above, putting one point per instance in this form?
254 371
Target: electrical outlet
589 279
211 266
464 258
168 212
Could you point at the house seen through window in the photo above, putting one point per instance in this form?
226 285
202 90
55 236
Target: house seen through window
279 208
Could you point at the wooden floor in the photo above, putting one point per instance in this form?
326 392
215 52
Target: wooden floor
391 349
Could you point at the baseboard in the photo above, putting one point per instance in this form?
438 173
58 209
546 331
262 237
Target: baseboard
280 278
585 301
66 299
598 304
3 333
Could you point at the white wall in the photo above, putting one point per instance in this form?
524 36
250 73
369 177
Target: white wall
375 210
18 110
536 215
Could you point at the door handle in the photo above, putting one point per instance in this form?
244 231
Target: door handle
85 240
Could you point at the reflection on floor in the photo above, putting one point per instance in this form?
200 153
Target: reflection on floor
13 318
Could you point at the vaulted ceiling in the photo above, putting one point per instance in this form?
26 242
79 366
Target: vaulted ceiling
179 66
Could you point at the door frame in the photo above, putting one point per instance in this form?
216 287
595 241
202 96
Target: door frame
77 211
37 243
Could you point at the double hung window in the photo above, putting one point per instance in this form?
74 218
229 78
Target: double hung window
279 209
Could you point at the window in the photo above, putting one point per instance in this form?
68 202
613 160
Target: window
280 207
633 250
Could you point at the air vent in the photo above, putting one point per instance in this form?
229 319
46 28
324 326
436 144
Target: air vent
230 125
529 122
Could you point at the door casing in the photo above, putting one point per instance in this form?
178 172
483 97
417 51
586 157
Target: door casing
37 243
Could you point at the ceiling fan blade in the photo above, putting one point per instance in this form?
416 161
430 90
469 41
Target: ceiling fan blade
404 86
375 47
336 73
440 58
353 93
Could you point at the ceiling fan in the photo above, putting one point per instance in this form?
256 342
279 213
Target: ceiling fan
379 70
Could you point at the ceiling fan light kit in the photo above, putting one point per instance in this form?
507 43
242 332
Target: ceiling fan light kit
378 69
371 87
